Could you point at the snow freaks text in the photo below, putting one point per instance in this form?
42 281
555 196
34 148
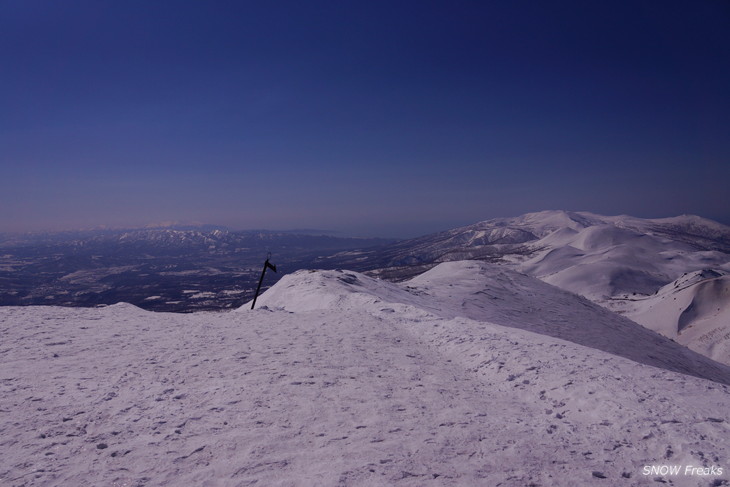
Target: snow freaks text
689 470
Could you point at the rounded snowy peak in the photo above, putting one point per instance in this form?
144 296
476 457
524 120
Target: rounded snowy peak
308 290
542 223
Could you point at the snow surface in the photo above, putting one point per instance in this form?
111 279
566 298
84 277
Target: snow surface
628 265
493 293
339 379
694 310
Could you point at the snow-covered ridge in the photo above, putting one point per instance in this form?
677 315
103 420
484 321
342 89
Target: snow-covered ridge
495 294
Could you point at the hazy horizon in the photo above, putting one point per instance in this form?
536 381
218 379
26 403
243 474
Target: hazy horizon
377 119
323 231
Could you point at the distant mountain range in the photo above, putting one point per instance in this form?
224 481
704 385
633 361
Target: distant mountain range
160 269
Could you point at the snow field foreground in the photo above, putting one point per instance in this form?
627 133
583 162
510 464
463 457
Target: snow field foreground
359 389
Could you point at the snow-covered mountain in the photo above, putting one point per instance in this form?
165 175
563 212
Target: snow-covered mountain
341 379
636 267
626 264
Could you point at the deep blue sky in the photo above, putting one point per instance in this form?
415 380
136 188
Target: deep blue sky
391 118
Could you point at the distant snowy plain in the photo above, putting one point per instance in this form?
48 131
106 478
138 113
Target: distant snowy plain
466 375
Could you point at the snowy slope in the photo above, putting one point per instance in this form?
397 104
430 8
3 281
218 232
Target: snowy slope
694 310
495 294
610 260
338 379
488 292
634 267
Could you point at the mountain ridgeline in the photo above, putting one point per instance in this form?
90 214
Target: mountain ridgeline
511 240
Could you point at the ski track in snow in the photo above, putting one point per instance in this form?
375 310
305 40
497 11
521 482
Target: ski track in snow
380 394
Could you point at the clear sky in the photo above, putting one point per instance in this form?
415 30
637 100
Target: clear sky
389 118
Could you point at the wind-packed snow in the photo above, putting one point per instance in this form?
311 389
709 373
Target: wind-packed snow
694 310
339 379
495 294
